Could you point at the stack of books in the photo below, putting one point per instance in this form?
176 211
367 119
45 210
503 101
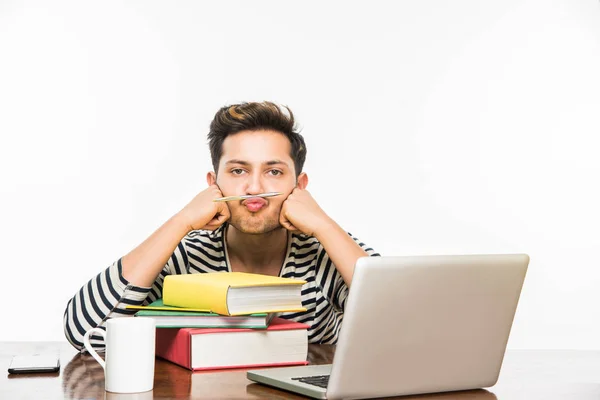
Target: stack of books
228 320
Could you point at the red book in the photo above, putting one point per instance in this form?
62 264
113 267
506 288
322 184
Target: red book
282 343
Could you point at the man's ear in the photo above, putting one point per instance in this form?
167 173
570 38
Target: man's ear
211 178
302 181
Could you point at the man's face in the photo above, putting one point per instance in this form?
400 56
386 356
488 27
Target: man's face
254 162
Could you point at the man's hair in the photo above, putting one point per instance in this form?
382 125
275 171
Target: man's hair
255 117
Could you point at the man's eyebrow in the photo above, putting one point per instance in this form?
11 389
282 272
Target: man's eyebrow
276 162
242 162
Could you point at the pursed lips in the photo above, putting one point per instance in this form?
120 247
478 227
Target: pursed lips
255 204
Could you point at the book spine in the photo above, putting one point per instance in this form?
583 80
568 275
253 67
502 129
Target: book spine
174 345
190 294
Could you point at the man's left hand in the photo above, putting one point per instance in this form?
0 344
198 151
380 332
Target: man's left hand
301 213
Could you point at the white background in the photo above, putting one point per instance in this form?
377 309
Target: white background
433 127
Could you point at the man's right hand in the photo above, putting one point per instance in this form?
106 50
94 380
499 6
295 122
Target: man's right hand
203 212
143 264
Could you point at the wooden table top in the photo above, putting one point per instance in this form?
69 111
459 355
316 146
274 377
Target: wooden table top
526 374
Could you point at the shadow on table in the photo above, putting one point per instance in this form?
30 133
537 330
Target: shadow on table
264 391
83 377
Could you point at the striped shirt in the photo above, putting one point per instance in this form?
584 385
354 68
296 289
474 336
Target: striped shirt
323 295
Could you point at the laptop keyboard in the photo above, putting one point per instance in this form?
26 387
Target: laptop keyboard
319 380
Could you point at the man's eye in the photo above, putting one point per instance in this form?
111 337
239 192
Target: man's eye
275 172
237 171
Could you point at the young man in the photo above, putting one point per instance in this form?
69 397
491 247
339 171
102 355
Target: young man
255 149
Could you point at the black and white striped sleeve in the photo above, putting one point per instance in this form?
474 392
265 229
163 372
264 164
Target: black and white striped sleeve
106 296
335 289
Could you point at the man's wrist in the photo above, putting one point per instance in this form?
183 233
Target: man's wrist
181 223
327 225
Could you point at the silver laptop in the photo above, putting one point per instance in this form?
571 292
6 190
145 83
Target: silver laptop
416 325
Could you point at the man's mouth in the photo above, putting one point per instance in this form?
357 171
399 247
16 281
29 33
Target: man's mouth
254 204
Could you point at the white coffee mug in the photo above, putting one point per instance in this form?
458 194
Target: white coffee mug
129 358
149 395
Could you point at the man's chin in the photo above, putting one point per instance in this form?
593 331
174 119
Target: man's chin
250 228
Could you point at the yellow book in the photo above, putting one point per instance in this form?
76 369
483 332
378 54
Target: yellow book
233 293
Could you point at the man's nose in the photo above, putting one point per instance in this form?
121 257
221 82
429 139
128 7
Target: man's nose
255 185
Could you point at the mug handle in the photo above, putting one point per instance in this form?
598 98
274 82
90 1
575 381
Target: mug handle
88 346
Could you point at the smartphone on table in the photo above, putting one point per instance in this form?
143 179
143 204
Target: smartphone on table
34 364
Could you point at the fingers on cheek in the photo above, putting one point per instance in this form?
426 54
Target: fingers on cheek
283 221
